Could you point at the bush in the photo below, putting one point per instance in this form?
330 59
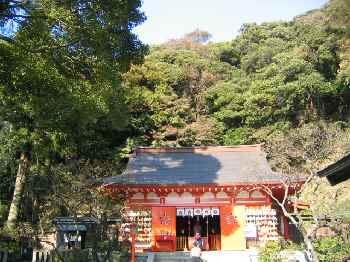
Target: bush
331 249
237 136
3 212
271 251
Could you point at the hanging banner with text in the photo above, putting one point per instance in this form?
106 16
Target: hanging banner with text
189 212
180 212
207 211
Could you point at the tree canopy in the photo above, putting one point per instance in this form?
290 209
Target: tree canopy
60 81
79 91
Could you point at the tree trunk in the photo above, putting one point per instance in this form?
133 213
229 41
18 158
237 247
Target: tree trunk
308 243
298 223
306 238
17 194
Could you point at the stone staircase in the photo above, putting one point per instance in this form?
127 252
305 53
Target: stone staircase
171 257
207 256
230 256
223 256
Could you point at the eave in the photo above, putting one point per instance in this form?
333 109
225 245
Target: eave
195 188
337 172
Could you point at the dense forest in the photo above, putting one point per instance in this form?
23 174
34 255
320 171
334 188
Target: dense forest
79 91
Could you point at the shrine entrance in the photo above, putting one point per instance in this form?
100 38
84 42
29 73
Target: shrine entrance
189 221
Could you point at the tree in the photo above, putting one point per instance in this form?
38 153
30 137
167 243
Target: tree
297 155
196 40
60 73
166 96
338 12
198 36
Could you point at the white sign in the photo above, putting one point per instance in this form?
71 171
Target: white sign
250 231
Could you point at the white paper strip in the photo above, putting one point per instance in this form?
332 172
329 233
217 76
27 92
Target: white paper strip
189 212
197 211
206 212
180 212
215 211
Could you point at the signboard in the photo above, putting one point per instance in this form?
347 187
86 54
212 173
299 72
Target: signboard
250 231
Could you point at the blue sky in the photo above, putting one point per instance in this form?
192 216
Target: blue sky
167 19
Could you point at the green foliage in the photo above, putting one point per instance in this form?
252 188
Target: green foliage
61 97
8 162
283 76
302 150
3 211
238 136
271 251
330 201
61 72
69 99
271 77
166 96
11 246
332 249
338 13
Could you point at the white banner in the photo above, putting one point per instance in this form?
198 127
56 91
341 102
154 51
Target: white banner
189 212
180 212
215 211
197 211
206 212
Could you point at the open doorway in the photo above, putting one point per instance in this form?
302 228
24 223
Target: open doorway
208 226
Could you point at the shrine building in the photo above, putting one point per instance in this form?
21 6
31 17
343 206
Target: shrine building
172 193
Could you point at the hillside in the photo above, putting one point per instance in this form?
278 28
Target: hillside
284 84
273 77
72 109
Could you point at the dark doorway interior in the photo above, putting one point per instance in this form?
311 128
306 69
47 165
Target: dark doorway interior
187 226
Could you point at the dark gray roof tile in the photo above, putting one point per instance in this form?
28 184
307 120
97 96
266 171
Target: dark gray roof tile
209 165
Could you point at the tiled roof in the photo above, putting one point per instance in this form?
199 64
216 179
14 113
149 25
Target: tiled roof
197 165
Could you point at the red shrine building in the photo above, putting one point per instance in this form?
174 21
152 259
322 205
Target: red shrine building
172 193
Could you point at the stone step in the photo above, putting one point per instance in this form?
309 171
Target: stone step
179 259
172 257
229 256
207 256
225 256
